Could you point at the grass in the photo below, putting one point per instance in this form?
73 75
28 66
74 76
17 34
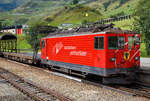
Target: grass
114 8
39 9
76 15
127 8
143 51
22 42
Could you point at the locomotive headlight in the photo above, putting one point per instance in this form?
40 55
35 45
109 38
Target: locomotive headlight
137 58
112 59
47 57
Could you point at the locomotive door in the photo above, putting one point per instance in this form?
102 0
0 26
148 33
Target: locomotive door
121 55
116 44
43 49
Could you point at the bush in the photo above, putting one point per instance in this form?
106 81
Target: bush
141 21
34 33
75 2
0 25
106 4
49 19
84 22
123 1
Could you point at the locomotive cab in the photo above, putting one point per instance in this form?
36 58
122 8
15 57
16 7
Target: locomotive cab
123 54
123 51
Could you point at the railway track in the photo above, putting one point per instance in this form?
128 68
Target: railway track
32 90
131 90
136 89
143 77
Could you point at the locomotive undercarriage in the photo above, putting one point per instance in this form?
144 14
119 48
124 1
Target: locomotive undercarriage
115 77
120 79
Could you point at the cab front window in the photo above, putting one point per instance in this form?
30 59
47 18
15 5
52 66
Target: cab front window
116 42
131 42
121 42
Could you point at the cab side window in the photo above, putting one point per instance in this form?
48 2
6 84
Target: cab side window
112 42
99 42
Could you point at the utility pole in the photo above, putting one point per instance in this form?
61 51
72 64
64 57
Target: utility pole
17 14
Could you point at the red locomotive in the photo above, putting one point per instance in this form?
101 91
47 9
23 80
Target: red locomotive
111 54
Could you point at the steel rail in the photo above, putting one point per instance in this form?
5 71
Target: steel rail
120 89
31 94
140 91
109 88
22 89
144 71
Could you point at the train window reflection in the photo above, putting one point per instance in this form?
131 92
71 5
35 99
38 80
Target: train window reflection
99 43
121 42
112 42
116 42
131 41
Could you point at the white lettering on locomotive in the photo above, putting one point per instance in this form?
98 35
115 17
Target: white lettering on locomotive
69 47
78 53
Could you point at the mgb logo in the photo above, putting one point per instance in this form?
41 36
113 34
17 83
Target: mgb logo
58 47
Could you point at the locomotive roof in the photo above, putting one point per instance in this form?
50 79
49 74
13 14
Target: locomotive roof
90 30
107 31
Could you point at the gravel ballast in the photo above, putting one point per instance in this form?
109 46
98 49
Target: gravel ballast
9 93
70 88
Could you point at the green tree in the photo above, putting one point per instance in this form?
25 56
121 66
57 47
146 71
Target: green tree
21 20
84 21
106 4
142 22
75 2
36 31
123 1
0 25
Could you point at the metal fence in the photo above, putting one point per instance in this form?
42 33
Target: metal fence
121 18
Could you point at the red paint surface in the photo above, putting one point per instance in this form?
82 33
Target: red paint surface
55 49
19 31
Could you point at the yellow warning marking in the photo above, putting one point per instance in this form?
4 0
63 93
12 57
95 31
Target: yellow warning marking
126 55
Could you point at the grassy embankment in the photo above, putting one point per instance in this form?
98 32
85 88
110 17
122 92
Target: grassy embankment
75 15
22 42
